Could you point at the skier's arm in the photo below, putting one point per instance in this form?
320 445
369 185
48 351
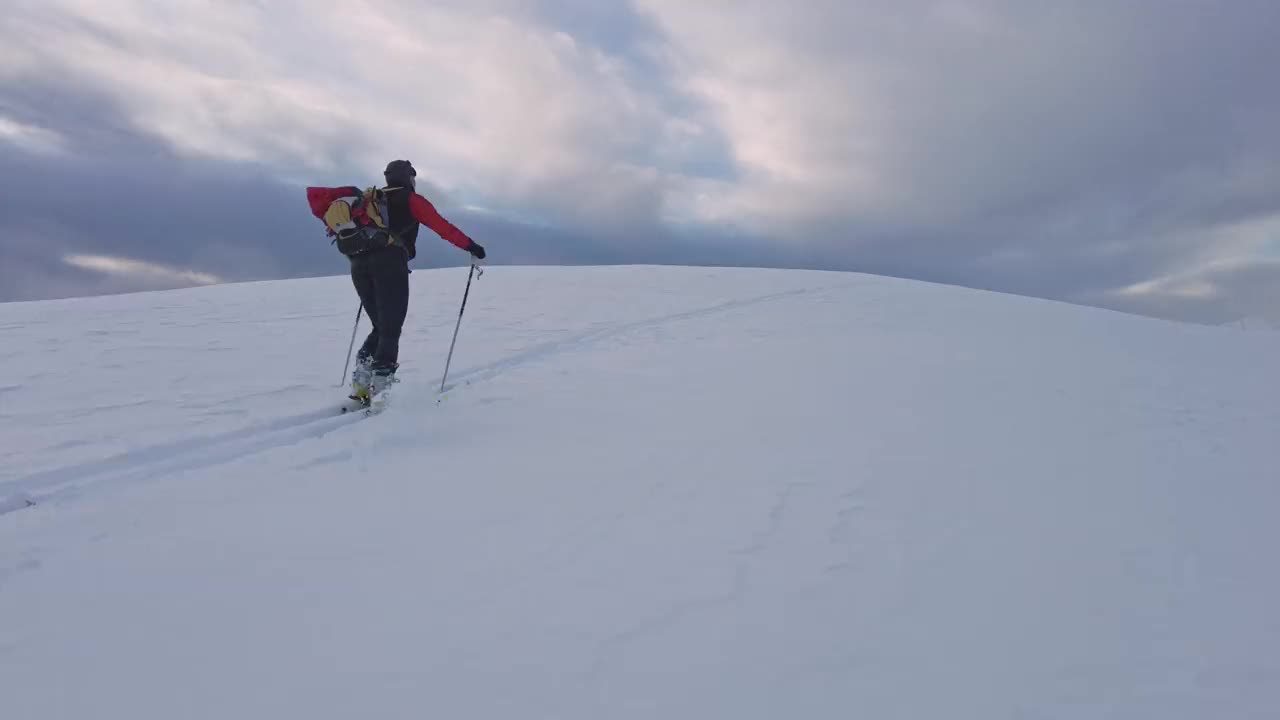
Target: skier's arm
425 213
320 197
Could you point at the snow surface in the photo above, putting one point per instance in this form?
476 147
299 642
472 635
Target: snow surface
653 493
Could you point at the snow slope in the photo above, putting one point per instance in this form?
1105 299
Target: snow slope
653 493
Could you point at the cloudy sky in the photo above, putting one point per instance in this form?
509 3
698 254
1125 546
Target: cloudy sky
1122 153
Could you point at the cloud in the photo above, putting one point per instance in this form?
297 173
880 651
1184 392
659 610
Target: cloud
1221 293
30 138
484 97
115 193
1032 147
954 110
1087 152
142 271
204 108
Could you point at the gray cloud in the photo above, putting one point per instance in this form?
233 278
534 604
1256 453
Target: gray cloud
119 193
1031 147
112 191
1119 155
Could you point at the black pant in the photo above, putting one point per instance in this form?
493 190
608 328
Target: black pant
381 278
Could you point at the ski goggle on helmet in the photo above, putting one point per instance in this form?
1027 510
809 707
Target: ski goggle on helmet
401 172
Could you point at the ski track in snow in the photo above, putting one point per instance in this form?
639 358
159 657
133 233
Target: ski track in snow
183 455
201 452
595 335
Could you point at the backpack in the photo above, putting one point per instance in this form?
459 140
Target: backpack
359 223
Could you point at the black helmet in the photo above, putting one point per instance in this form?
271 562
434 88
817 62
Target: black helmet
401 172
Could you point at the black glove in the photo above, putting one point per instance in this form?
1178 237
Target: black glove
476 249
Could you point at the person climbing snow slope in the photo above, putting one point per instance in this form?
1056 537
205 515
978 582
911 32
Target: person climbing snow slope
377 229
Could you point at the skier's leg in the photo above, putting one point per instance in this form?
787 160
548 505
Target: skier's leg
391 271
363 279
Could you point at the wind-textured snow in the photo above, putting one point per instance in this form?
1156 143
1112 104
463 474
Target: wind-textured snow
652 493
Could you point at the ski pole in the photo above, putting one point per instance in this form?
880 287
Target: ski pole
352 345
455 328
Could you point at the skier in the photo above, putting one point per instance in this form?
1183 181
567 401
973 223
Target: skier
380 271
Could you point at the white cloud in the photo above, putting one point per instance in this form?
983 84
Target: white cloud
1236 265
1179 287
30 138
485 101
933 112
141 271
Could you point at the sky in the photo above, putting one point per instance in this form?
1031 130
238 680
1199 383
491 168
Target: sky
1123 154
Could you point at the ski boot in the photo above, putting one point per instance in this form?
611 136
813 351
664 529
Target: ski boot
368 383
362 382
382 379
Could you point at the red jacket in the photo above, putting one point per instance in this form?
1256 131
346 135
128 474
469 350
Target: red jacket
423 211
